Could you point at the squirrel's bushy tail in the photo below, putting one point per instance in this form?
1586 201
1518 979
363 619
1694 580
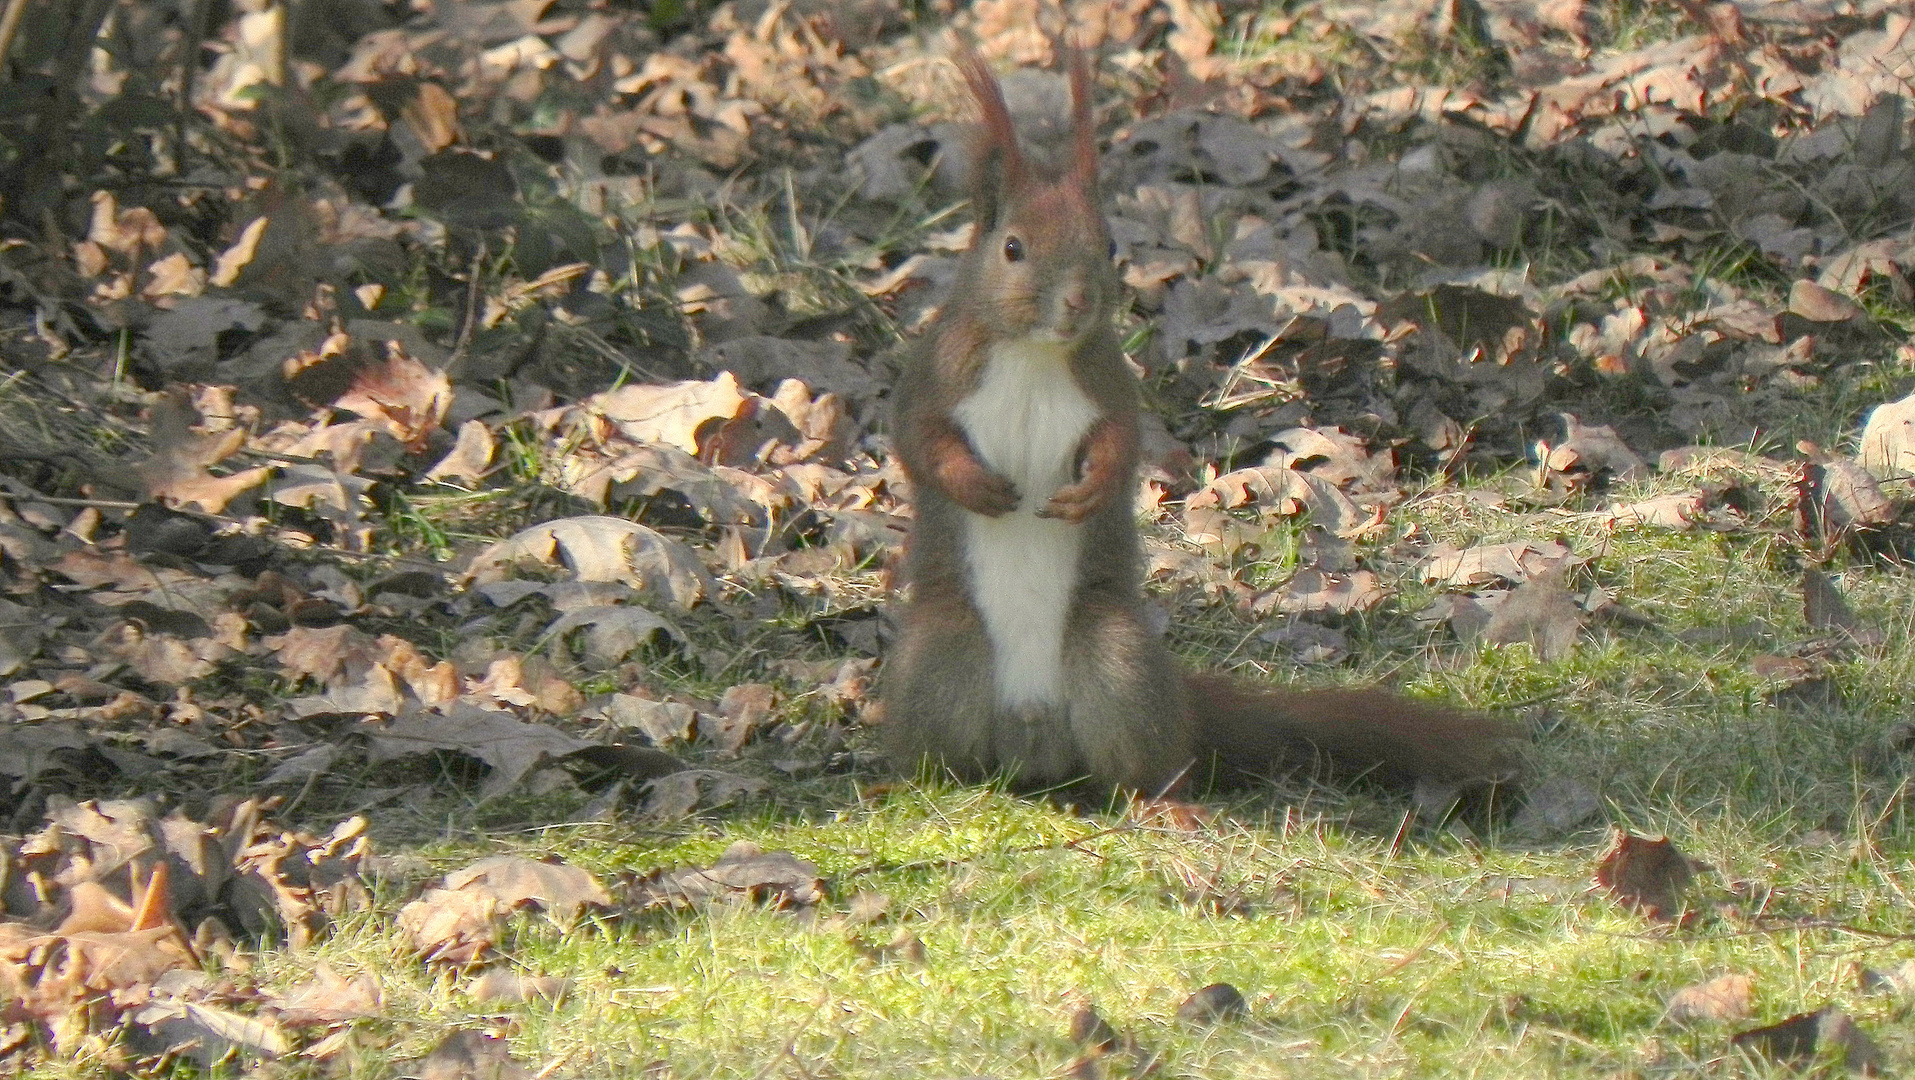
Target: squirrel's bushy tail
1255 731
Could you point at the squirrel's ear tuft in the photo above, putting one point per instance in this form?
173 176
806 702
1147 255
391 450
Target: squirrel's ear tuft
997 164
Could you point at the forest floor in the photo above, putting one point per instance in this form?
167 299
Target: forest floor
445 517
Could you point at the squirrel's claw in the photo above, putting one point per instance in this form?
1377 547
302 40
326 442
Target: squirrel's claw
1075 502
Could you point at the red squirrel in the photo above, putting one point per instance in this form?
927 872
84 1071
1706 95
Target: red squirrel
1024 650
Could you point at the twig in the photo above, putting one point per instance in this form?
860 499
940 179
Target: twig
56 500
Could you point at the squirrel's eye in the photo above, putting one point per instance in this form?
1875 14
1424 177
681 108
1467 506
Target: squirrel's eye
1113 249
1013 249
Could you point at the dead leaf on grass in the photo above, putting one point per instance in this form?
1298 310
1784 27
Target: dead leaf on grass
408 399
1725 998
1681 511
661 722
563 892
1835 496
1286 493
1514 562
1647 876
1217 1003
1804 1037
1541 612
613 632
597 548
466 1054
1313 592
678 794
510 746
452 929
184 451
1888 439
1824 609
1587 451
1821 305
675 415
776 879
500 986
326 997
206 1033
741 712
470 457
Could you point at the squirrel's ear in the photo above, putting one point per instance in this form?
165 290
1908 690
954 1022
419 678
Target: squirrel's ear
997 164
1083 127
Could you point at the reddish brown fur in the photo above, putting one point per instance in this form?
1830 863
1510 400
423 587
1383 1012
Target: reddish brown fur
1132 721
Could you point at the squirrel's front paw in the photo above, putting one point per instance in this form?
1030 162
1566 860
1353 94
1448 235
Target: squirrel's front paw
981 491
1074 502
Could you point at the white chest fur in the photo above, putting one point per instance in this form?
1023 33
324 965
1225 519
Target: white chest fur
1025 420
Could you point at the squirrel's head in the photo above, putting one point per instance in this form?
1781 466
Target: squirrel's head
1040 262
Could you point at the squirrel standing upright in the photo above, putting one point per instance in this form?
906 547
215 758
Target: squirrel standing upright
1024 650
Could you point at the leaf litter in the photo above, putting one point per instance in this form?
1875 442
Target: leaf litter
1332 297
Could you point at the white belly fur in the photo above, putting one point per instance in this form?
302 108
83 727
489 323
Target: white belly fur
1025 420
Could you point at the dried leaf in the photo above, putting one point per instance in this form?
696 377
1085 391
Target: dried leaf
1803 1037
776 879
465 1054
679 794
599 548
1888 438
1540 612
470 457
1515 562
1725 998
510 746
1647 876
562 892
741 711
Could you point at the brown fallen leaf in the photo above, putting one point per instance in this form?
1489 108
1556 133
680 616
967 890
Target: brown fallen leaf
678 794
1806 1036
503 987
510 746
408 399
465 1054
1888 439
1540 612
1647 876
1314 592
185 449
1215 1004
674 414
1515 562
451 928
1679 511
470 457
777 879
1824 609
742 710
1821 305
1834 496
1724 998
599 548
326 997
563 892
